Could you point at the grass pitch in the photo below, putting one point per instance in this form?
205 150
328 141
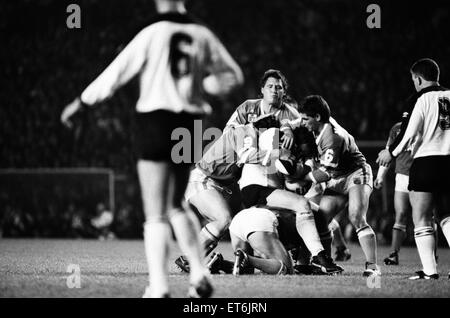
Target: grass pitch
39 268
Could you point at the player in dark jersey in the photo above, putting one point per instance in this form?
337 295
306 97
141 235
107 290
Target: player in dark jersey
350 177
402 204
177 60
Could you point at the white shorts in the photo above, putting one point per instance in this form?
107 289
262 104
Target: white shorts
342 184
401 182
253 220
198 182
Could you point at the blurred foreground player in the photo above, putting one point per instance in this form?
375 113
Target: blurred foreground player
177 60
429 131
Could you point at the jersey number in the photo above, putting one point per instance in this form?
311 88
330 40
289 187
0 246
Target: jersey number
329 156
180 55
444 113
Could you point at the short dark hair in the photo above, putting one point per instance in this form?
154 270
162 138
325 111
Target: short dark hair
275 74
427 69
313 105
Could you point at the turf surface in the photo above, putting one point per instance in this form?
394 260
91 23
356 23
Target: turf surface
38 268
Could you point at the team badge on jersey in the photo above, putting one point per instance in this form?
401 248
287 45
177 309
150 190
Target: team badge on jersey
251 117
444 113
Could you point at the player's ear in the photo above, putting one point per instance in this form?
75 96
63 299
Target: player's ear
317 117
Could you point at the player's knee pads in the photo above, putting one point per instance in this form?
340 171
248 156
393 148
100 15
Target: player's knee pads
423 231
365 231
399 227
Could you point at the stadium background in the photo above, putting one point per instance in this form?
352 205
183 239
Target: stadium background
323 47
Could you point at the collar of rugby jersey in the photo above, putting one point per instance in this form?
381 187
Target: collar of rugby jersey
321 133
274 113
184 18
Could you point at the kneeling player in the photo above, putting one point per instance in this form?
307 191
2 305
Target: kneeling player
269 235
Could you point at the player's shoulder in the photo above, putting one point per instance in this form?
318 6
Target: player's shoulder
292 110
331 136
249 104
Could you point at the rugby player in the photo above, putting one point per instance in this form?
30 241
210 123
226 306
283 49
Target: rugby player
349 175
428 130
177 59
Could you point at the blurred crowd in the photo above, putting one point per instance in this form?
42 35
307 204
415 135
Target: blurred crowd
323 47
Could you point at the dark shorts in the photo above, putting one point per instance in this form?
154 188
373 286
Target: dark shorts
430 174
255 195
154 136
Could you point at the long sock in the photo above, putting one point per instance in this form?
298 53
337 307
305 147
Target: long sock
425 242
398 236
368 242
326 239
269 266
306 228
186 226
208 238
445 226
156 243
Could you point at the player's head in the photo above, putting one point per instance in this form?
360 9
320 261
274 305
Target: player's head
273 87
314 112
305 143
424 72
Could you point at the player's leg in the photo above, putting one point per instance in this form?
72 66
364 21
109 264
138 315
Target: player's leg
422 211
342 251
186 228
305 223
402 208
212 205
358 204
329 207
306 227
273 257
154 181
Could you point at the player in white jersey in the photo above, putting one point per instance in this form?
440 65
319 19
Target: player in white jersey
177 60
350 177
428 131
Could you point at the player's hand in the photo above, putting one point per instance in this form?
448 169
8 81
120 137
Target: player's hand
287 139
378 183
69 111
384 158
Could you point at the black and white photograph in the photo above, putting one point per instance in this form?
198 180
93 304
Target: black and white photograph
246 151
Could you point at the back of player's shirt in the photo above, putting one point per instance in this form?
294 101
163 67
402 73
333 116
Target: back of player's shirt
429 126
338 152
404 160
173 57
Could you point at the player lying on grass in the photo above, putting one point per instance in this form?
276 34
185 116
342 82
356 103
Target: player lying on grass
261 239
263 186
219 168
